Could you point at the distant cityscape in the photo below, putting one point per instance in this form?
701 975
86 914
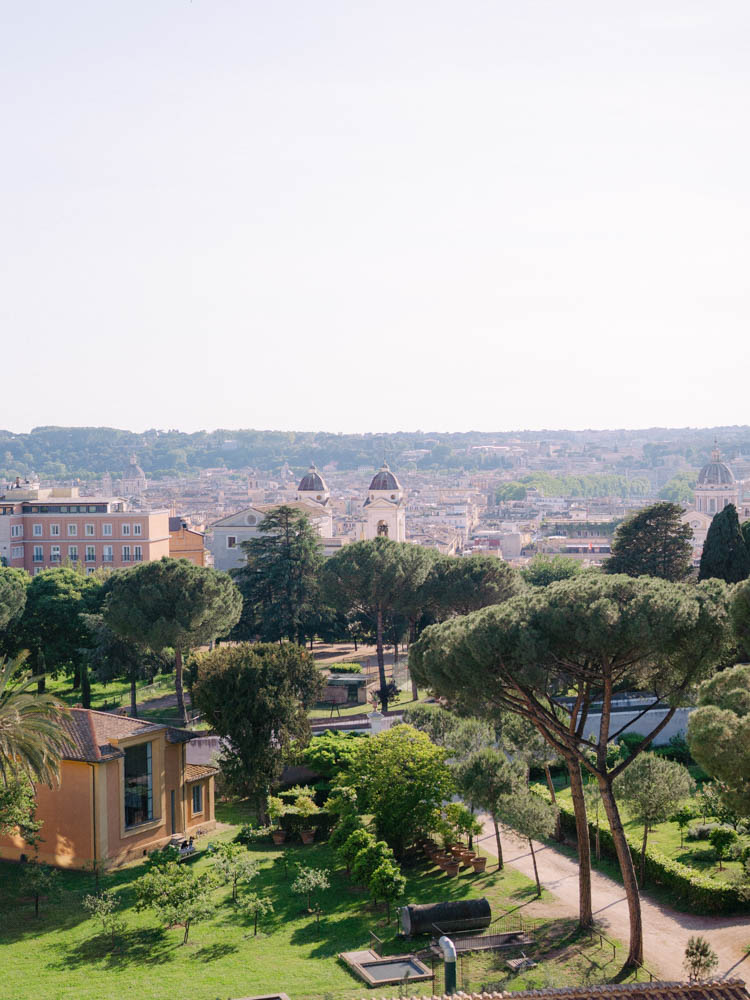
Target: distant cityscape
563 493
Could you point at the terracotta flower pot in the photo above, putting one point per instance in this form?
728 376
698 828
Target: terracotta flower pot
279 836
457 850
451 870
308 836
479 864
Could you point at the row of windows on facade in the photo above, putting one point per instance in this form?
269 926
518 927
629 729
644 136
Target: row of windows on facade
139 787
37 530
128 555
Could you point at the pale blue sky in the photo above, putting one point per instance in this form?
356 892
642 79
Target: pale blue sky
374 216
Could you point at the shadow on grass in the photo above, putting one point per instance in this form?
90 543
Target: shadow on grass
212 952
145 946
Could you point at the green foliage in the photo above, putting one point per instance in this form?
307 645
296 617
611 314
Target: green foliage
331 752
653 542
40 881
110 656
487 778
458 585
357 841
679 489
461 820
257 697
31 736
346 668
345 827
402 779
279 583
549 485
543 570
387 883
176 894
725 555
276 807
13 584
719 734
17 805
528 814
105 908
310 881
249 833
700 959
254 906
721 839
234 866
368 859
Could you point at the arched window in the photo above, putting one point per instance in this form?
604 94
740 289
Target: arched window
382 529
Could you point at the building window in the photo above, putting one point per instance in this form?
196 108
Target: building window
90 530
107 529
126 553
54 554
126 529
90 570
72 530
38 553
37 531
137 553
139 796
90 553
16 552
107 553
231 541
73 553
54 530
137 529
16 530
197 798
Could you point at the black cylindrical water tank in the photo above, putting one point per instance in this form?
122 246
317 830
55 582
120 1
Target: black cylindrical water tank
452 915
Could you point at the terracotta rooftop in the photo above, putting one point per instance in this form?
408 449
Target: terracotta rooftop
89 733
725 989
194 772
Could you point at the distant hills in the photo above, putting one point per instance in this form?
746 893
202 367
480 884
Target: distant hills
89 452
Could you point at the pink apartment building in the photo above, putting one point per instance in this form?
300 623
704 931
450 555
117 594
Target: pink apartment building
41 528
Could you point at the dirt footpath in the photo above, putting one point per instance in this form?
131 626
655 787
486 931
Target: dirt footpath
665 931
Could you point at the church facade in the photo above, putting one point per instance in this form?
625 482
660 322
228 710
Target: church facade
716 488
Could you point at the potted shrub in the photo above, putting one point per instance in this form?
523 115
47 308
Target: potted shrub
305 809
276 809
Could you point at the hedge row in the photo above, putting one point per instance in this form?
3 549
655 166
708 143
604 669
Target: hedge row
700 893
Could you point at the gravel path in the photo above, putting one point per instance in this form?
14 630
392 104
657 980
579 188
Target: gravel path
665 930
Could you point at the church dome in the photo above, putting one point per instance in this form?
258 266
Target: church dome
715 472
312 482
133 470
384 479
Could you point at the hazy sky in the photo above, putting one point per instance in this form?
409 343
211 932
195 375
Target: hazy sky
374 215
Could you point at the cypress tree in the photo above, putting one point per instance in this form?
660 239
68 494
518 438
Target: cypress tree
653 542
725 554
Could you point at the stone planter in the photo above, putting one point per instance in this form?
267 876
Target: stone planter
457 850
308 836
479 864
451 869
279 836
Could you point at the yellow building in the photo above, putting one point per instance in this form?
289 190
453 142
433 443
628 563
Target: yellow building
186 543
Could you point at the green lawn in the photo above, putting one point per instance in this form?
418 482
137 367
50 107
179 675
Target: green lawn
64 957
115 692
665 837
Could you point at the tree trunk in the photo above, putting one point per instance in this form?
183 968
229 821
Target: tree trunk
536 870
85 686
36 904
499 845
178 685
395 653
381 661
41 666
643 855
76 677
630 883
133 697
187 931
550 784
255 925
585 909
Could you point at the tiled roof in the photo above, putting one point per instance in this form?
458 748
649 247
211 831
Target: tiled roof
194 772
725 989
89 733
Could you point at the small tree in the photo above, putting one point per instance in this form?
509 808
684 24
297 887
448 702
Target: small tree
530 816
39 880
253 905
682 818
721 839
368 859
234 866
310 880
356 841
486 778
177 894
104 907
652 542
652 787
725 554
700 959
387 883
